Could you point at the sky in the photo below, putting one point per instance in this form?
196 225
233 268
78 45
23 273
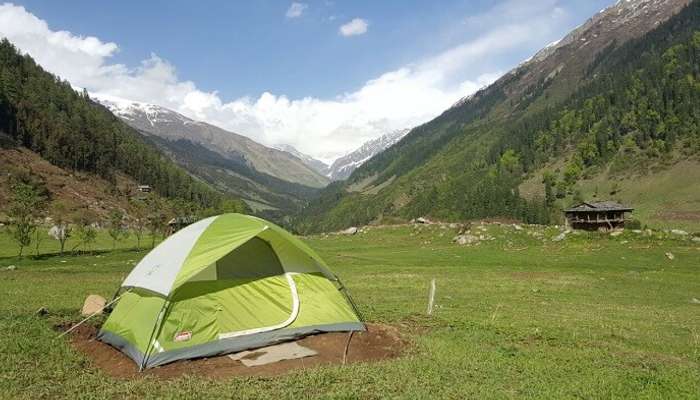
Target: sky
323 76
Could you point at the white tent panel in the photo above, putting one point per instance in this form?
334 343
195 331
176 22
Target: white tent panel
157 271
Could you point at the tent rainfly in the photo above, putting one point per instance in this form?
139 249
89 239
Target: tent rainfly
225 284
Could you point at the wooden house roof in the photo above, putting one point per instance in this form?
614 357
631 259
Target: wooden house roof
598 207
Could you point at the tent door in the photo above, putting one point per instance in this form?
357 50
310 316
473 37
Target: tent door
292 317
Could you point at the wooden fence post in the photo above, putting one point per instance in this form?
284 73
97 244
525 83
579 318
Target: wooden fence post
431 297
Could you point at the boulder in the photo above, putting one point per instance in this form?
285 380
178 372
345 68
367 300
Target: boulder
517 227
679 232
93 305
465 239
423 220
559 237
350 231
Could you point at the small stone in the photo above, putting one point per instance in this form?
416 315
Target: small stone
517 227
670 256
350 231
93 305
679 232
42 311
615 233
696 239
695 301
559 237
11 268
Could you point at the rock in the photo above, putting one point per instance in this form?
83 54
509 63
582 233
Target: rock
696 239
615 233
670 256
679 232
559 237
695 301
11 268
517 227
423 220
93 304
42 311
465 239
350 231
637 231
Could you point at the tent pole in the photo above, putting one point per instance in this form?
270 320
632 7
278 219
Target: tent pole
346 292
156 327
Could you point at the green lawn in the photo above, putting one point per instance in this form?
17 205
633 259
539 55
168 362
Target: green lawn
590 317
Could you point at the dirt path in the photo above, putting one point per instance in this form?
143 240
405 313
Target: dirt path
380 342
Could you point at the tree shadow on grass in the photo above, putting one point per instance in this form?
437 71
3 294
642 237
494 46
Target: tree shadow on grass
68 254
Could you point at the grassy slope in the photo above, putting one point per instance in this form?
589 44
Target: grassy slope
76 189
590 317
665 199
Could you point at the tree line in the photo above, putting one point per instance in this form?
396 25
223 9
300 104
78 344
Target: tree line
46 115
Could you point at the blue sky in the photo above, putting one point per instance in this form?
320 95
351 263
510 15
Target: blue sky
286 74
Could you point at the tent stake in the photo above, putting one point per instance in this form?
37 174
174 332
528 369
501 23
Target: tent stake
347 346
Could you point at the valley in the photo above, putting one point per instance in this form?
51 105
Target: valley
365 200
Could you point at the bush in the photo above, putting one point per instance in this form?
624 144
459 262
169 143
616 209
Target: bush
633 224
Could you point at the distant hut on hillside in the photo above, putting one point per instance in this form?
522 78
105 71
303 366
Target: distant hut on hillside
144 188
598 215
178 223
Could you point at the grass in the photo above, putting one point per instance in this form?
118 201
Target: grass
516 317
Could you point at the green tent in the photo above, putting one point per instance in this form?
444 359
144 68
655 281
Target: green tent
221 285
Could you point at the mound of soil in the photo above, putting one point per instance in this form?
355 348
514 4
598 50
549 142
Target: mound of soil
379 342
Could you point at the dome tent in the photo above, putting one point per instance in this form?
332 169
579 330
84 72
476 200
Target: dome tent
225 284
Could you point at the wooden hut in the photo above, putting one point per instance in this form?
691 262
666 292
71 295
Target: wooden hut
597 215
178 223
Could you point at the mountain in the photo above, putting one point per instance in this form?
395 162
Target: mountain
610 111
316 165
344 166
170 125
271 181
45 123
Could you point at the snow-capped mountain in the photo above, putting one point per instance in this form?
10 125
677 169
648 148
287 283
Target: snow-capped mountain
344 166
315 164
616 24
167 124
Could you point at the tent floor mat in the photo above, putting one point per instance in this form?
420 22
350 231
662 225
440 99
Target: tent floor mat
379 342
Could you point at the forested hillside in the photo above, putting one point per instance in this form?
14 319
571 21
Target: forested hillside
613 98
46 115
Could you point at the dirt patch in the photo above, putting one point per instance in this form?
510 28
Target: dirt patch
379 342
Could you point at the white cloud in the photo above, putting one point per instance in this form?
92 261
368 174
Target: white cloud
324 128
357 26
295 10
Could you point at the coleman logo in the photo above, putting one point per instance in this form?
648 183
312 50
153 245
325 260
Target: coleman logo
183 336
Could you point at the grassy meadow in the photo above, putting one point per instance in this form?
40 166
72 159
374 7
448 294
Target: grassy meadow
517 316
